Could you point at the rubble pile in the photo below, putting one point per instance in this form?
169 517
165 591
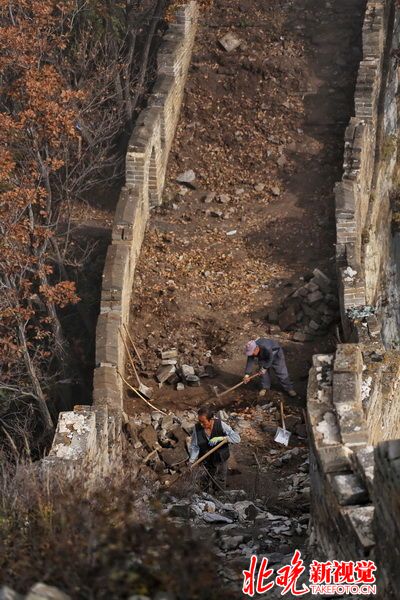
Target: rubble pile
175 373
239 527
162 443
310 310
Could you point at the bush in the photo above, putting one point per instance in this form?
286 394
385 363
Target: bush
110 543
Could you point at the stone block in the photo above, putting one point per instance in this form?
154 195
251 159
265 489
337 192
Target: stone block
174 456
326 430
108 339
230 42
169 354
348 359
349 489
149 437
126 213
193 380
299 336
321 280
167 422
353 427
347 389
312 313
393 449
345 199
315 297
334 458
312 286
364 462
41 591
76 435
165 373
288 318
7 593
181 510
361 520
187 371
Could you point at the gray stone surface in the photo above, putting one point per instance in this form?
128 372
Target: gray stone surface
41 591
349 489
174 456
149 437
165 372
230 42
7 593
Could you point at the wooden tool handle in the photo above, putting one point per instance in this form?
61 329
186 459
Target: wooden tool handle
236 386
129 355
134 347
199 461
282 417
140 395
207 454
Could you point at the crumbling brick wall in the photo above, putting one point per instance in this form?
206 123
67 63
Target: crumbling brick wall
93 433
362 196
353 394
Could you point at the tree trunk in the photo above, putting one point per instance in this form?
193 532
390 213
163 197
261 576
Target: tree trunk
37 388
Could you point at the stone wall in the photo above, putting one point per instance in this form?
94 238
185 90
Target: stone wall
340 463
362 196
353 394
93 433
146 164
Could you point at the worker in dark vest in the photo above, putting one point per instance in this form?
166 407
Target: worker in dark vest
208 432
268 354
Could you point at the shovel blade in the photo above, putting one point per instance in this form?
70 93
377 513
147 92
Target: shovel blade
282 436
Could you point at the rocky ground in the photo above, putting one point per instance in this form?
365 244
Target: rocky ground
264 511
232 254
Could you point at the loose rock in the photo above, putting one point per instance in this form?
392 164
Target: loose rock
230 42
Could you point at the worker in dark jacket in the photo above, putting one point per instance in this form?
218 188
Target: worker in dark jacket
268 354
208 432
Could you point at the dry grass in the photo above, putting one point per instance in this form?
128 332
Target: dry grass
111 543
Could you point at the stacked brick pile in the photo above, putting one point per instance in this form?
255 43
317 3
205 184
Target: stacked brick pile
310 310
162 442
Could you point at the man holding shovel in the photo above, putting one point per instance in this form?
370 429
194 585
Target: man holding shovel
269 355
210 432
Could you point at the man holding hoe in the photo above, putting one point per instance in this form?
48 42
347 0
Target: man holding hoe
208 433
269 355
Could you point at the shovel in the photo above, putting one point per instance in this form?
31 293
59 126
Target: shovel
282 435
143 389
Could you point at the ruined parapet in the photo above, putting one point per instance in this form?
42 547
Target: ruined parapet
352 408
146 164
87 437
362 196
92 434
353 395
340 472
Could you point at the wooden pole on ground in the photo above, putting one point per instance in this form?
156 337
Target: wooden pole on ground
134 347
140 395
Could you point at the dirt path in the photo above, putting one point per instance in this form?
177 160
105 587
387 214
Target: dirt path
262 128
272 114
